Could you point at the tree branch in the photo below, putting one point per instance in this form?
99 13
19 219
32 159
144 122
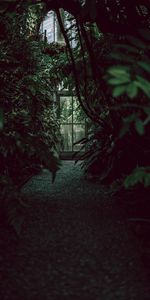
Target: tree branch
105 19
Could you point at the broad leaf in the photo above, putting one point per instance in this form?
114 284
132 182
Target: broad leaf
143 84
130 118
118 71
119 90
139 126
121 80
132 90
144 65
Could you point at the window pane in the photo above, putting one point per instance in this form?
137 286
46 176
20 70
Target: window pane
66 109
66 132
49 24
78 134
78 114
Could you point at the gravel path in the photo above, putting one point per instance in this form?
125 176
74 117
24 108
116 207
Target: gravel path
75 244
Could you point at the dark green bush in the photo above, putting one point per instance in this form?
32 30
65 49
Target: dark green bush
119 142
29 135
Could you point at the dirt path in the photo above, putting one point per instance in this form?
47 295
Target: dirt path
75 244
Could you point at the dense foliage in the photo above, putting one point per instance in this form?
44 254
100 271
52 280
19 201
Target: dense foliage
109 73
112 80
121 141
29 134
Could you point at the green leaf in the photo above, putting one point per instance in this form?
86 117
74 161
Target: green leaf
119 90
130 118
132 90
144 81
118 71
128 182
115 81
139 126
143 84
139 175
144 65
143 88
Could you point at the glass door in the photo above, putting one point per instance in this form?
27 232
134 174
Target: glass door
72 125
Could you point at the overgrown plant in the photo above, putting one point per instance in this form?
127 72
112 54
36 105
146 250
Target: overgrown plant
29 129
123 140
130 76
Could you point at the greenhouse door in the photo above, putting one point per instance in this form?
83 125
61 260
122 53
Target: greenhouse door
72 125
